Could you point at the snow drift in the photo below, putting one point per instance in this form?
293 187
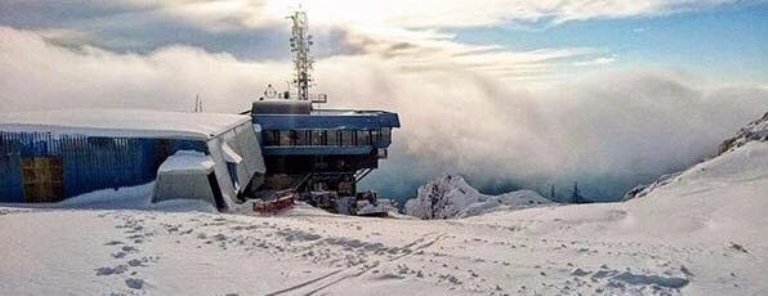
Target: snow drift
451 197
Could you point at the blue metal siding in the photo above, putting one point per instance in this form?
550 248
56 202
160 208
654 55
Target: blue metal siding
11 189
89 163
97 163
360 121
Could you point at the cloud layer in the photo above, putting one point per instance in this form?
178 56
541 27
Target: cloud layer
607 131
251 29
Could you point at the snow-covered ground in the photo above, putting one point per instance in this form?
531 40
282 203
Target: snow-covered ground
703 232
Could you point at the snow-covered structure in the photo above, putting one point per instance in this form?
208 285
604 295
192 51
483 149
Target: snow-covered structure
53 155
187 175
452 197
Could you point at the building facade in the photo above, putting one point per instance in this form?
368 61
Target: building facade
54 155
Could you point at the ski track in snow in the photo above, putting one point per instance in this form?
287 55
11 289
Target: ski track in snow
461 257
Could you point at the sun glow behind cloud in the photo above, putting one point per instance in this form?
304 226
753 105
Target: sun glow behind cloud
414 33
459 13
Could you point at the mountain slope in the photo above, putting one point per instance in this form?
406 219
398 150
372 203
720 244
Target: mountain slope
754 131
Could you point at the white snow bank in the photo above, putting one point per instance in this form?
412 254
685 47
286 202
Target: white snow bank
133 198
125 198
451 197
136 197
122 123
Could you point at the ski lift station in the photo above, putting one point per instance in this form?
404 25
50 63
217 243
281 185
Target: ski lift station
53 155
282 143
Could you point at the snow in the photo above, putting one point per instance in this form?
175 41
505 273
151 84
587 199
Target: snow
382 206
126 198
187 162
122 123
451 197
703 233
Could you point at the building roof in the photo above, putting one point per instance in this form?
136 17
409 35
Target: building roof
329 119
129 123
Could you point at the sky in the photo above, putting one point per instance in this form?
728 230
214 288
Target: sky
509 93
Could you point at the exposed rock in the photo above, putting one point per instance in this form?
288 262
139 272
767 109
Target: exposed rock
451 196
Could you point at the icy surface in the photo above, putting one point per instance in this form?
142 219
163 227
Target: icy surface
122 123
451 197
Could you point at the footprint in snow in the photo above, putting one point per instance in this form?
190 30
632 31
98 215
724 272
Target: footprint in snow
111 270
389 276
580 272
129 249
137 262
134 283
118 255
113 243
738 247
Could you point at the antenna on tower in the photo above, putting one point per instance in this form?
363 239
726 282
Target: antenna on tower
302 61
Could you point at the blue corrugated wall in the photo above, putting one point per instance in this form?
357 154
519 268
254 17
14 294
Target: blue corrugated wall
89 163
10 177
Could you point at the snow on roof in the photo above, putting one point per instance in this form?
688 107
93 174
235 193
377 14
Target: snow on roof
186 162
129 123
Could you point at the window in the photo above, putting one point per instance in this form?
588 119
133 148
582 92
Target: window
303 138
319 138
363 137
271 138
333 138
286 138
348 138
375 136
386 134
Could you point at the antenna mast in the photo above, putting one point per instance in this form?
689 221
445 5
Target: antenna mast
302 61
